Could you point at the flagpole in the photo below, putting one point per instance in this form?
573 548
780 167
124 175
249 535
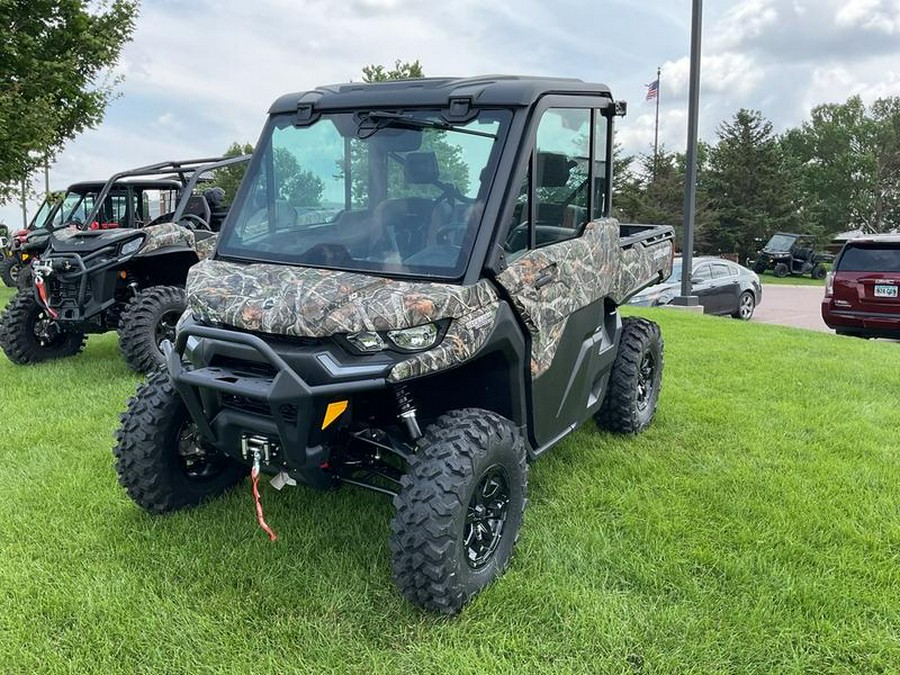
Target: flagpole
656 128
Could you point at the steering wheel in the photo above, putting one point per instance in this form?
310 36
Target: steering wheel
194 222
73 222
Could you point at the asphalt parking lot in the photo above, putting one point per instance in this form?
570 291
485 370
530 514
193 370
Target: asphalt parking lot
796 306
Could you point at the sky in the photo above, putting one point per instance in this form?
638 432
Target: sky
200 75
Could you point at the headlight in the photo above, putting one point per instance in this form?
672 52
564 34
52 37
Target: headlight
132 246
366 341
414 339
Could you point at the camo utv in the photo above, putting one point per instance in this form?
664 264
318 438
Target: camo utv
420 322
125 273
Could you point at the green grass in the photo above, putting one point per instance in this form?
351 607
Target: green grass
768 278
754 528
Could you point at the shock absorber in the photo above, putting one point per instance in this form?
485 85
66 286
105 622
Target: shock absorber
407 411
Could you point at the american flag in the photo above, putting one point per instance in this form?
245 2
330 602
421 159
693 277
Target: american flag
652 90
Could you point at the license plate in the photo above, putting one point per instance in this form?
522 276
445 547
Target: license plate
885 291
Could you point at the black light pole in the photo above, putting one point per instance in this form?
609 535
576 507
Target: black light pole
690 171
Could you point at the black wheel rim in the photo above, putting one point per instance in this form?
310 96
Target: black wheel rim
646 374
486 517
14 272
46 331
197 463
165 327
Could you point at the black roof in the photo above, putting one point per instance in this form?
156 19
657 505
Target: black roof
486 90
96 185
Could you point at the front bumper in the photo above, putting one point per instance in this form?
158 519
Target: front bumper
236 385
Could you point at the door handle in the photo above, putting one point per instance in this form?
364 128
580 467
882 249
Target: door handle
545 276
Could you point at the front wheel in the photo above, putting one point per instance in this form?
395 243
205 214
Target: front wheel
746 305
635 380
760 266
459 509
781 270
9 271
160 459
28 334
148 320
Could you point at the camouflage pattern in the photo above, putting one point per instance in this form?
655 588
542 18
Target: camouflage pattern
166 234
464 338
206 246
309 302
173 234
66 233
588 268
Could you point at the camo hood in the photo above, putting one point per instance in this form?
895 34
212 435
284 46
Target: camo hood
312 302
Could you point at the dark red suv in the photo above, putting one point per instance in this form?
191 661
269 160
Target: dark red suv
862 293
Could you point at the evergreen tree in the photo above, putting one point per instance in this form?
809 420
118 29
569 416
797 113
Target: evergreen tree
751 186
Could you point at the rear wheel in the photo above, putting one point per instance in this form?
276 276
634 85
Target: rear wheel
459 509
148 320
818 271
9 271
160 459
781 270
28 334
635 379
746 305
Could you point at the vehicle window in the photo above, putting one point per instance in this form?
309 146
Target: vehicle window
601 132
517 234
703 273
383 191
870 259
561 174
720 271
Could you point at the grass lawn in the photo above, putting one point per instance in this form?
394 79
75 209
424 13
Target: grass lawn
767 278
754 528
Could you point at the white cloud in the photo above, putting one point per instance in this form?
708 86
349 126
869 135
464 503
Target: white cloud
201 75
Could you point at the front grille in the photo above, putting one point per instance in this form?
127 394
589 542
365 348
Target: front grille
241 367
256 407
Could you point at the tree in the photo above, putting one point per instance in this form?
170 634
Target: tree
402 71
55 57
449 157
229 177
849 160
299 186
751 186
656 194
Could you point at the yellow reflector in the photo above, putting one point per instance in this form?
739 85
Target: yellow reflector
333 411
25 256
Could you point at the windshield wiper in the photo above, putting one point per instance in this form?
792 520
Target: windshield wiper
373 121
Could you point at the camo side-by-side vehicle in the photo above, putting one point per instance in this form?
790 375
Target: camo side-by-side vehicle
98 276
416 292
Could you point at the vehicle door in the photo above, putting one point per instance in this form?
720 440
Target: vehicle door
726 287
555 274
702 286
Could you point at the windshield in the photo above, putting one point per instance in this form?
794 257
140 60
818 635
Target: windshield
397 193
38 220
781 242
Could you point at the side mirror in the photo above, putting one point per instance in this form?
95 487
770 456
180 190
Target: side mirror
696 280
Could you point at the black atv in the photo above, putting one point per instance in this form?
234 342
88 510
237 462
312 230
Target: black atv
420 323
792 254
107 277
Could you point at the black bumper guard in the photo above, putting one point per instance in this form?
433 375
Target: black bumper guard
286 389
80 270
